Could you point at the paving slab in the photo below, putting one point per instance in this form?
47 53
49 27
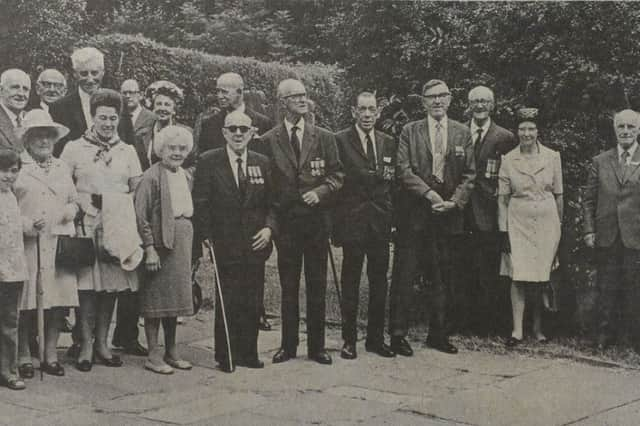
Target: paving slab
321 408
555 395
206 408
398 418
140 402
11 413
247 419
50 394
84 416
627 414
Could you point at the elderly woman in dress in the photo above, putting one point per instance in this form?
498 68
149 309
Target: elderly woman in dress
45 190
106 172
164 209
163 98
529 216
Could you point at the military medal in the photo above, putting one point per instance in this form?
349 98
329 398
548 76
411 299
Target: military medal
387 170
459 151
255 175
492 168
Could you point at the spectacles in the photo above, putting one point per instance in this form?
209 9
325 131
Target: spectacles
51 84
296 96
234 129
436 96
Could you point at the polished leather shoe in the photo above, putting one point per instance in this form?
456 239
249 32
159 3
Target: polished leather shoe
84 365
135 349
73 351
264 324
442 345
53 368
114 361
26 371
348 351
382 349
283 355
400 346
321 357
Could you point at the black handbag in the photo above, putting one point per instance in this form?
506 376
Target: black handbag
75 252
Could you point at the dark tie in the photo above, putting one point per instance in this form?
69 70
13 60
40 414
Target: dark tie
18 121
125 128
295 142
624 157
242 178
438 148
371 154
476 144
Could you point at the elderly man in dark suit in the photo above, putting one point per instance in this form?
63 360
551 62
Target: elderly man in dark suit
307 172
51 86
611 207
15 86
435 169
362 222
480 302
73 110
235 211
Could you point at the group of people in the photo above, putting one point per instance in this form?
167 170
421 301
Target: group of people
469 201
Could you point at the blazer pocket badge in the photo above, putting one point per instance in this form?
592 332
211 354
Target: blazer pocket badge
317 167
255 175
387 169
459 151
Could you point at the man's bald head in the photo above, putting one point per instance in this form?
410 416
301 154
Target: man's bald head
15 86
229 91
626 124
481 104
293 97
237 131
51 86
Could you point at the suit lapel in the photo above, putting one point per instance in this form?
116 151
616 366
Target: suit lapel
308 142
480 151
355 141
615 165
423 130
78 112
6 127
283 140
226 174
380 149
632 168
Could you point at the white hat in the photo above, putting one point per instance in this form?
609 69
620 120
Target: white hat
41 118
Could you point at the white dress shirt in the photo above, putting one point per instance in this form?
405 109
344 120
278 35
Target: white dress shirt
631 151
363 140
135 113
474 130
233 157
86 108
300 132
181 202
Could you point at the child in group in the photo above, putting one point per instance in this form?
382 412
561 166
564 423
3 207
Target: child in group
13 267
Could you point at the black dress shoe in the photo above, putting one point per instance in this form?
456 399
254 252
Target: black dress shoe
264 324
114 361
441 345
283 355
135 349
512 342
26 371
400 346
321 357
252 363
381 349
54 368
224 366
73 351
348 351
84 365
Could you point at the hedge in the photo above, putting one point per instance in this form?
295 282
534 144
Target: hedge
128 56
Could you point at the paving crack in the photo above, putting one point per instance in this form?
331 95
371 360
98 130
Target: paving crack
602 412
433 416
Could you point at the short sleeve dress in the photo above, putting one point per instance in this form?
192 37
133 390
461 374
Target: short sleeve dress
99 172
532 216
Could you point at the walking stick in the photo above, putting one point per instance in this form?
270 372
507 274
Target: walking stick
335 275
39 307
212 255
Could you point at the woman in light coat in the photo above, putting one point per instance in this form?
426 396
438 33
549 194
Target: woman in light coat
45 190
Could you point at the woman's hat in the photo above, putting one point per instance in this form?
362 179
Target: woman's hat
41 118
527 114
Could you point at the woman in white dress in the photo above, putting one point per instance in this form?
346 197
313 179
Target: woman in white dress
529 216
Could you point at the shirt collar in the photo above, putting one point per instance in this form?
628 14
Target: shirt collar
363 135
300 125
136 111
432 122
474 126
84 96
632 150
233 156
242 108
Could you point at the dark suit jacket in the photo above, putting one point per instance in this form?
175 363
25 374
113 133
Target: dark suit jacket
484 204
223 216
68 111
8 137
612 200
363 206
208 129
145 119
293 178
414 172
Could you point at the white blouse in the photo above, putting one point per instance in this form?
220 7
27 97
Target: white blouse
181 201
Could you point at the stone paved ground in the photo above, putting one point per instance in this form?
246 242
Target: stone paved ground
428 389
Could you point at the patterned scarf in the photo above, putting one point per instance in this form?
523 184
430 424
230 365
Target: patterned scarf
103 147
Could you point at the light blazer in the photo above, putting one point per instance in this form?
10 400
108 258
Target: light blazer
364 204
612 200
68 111
415 175
293 178
224 216
484 205
8 137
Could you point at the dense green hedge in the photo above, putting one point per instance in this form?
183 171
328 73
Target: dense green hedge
195 72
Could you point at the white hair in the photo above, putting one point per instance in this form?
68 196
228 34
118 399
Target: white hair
477 89
283 87
52 72
13 73
231 77
86 55
172 133
634 114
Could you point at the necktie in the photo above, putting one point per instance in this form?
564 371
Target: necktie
371 154
242 178
295 142
18 121
476 144
438 153
125 128
624 157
